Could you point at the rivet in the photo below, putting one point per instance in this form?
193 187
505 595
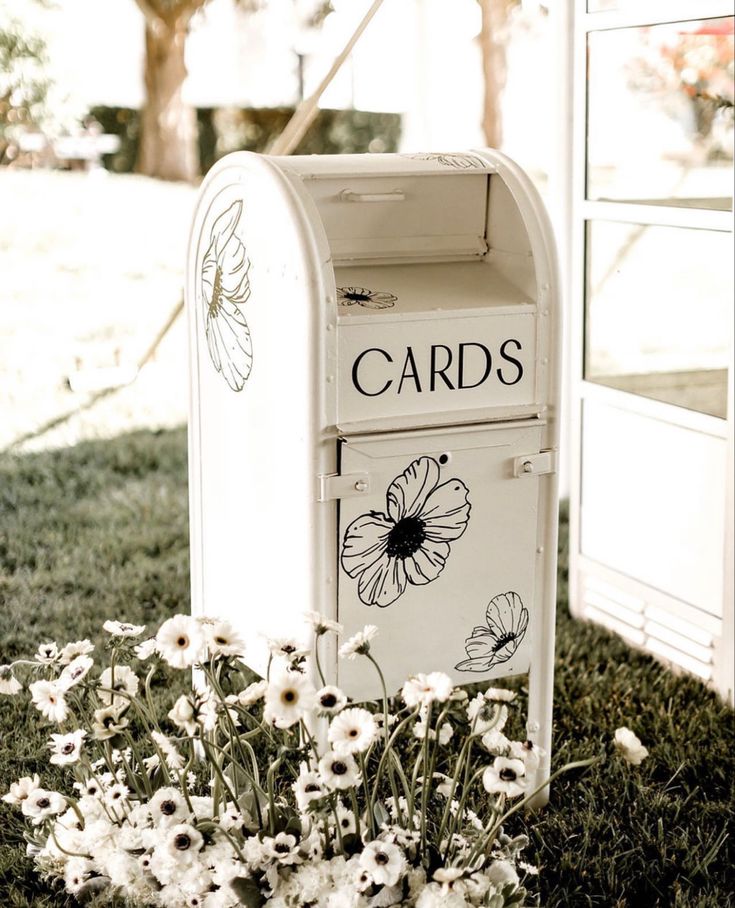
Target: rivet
330 379
361 486
527 466
540 550
331 327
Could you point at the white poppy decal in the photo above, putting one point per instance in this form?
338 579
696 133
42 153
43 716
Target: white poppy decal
368 299
507 623
410 543
225 288
453 159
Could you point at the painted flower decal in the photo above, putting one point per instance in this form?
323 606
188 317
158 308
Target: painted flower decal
410 543
507 622
360 296
225 287
453 159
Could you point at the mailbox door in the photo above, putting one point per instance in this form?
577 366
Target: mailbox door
438 535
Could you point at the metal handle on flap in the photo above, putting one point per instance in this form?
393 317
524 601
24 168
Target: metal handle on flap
395 195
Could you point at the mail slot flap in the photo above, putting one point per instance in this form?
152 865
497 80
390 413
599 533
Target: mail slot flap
403 217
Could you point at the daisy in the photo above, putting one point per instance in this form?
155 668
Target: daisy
122 678
21 789
174 760
72 650
252 693
290 694
321 625
67 748
42 804
287 648
421 689
507 622
167 807
307 788
630 746
338 771
47 653
107 723
384 861
48 698
359 644
223 639
368 299
180 641
116 794
75 671
506 776
330 700
409 544
121 629
9 684
352 731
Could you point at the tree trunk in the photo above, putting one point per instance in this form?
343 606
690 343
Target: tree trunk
493 35
168 146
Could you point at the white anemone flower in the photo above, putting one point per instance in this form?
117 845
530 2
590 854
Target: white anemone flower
330 700
168 807
345 820
485 716
180 641
67 748
75 671
122 629
359 643
321 625
183 715
223 639
9 684
21 789
42 804
72 650
352 731
173 758
307 787
47 653
145 649
527 751
384 861
252 693
338 771
629 745
121 678
283 848
183 842
506 776
422 690
499 695
497 743
501 873
48 698
290 694
107 723
288 648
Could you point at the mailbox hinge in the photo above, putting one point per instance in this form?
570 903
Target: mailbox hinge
348 485
535 464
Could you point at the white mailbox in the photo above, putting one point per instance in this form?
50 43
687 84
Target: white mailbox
375 345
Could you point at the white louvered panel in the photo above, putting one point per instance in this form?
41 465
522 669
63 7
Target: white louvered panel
620 627
694 632
678 658
613 593
684 644
634 619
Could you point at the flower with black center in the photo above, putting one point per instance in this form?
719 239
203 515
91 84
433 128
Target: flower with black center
180 641
352 731
384 861
368 299
225 288
410 543
67 748
330 700
288 697
507 776
507 623
338 771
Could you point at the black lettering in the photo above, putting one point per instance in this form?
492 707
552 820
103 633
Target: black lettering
414 374
511 359
356 366
440 372
488 365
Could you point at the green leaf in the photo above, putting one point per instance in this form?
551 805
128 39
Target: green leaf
248 891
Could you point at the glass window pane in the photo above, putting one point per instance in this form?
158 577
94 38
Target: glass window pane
657 312
660 121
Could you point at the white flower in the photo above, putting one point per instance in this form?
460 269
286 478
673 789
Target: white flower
352 731
67 748
180 641
145 649
290 694
338 771
500 873
174 760
252 693
76 873
345 820
42 804
75 671
167 807
330 700
485 716
116 794
499 695
629 745
421 689
9 684
527 751
223 639
359 643
182 842
183 715
384 861
21 789
47 653
283 848
506 776
107 723
125 680
48 698
77 648
307 787
445 732
121 629
497 743
321 625
448 876
287 648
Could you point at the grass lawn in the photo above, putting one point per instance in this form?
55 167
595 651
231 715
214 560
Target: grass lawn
100 531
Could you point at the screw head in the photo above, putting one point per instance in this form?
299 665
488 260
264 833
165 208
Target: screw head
361 486
527 466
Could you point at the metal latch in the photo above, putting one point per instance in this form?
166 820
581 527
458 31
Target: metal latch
348 485
535 464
